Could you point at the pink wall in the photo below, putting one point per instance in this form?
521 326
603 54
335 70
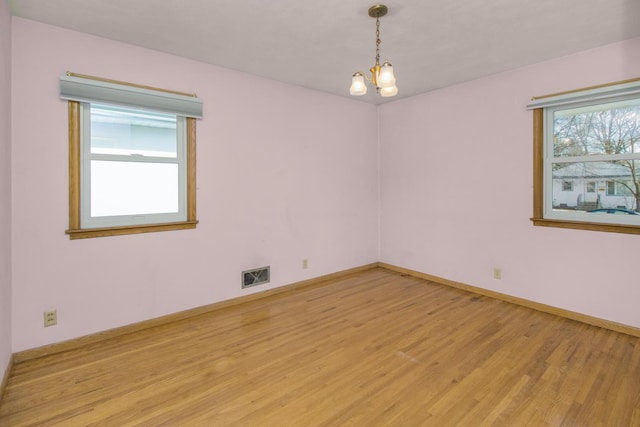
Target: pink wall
456 193
5 187
284 173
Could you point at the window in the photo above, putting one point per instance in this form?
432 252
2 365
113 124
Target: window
587 157
615 188
132 158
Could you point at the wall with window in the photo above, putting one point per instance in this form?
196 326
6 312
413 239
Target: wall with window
283 174
456 195
5 187
286 174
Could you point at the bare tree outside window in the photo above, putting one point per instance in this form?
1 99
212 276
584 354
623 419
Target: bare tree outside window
602 139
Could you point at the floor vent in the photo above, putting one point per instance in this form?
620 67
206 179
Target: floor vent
254 277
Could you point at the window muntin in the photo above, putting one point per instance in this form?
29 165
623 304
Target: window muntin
595 146
133 167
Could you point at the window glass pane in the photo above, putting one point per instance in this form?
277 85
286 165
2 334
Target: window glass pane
612 128
131 188
596 185
123 131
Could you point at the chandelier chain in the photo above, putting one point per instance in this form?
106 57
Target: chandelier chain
378 41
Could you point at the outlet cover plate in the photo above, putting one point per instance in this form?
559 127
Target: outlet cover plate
50 318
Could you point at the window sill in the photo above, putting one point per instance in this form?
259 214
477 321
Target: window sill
86 233
591 226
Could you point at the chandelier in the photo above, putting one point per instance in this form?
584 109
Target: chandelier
381 75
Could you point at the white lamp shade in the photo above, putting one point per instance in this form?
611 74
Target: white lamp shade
389 91
358 86
386 77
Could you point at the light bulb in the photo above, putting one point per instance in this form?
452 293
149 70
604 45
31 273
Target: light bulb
358 86
389 91
386 77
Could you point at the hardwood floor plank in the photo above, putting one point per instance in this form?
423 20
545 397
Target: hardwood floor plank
376 348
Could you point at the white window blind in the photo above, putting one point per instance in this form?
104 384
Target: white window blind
86 89
598 93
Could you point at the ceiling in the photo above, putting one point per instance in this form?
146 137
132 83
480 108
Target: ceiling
431 44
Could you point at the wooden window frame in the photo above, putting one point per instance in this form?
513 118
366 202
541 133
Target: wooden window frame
75 230
538 218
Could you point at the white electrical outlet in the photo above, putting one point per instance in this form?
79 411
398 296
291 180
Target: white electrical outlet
305 263
497 273
50 318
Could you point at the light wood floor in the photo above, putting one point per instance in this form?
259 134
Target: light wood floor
372 349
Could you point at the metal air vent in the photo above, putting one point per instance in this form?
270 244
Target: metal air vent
254 277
